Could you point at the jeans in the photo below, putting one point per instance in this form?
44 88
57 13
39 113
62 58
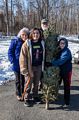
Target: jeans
37 74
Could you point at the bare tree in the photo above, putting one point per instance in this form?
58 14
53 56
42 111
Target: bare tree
7 17
63 15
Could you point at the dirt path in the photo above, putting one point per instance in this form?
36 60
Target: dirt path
11 109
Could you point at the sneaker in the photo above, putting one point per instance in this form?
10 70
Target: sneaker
22 99
66 105
27 103
18 98
36 100
42 102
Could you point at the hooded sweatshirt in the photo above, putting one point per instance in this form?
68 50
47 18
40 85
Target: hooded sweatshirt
65 59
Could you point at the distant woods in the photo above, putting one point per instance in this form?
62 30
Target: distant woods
63 15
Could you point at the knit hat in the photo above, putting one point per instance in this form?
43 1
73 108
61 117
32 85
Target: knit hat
44 21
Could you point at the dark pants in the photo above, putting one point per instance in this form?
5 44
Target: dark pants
67 82
19 82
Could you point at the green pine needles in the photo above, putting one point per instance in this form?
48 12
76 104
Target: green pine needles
51 74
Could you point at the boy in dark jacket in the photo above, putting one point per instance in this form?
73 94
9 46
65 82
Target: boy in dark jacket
13 55
64 61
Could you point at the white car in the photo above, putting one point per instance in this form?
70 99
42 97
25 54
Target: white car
76 57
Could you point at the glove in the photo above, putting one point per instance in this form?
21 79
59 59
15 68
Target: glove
48 64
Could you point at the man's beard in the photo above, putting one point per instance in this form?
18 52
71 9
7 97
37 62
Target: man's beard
44 27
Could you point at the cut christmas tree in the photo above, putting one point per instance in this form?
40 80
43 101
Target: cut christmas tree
51 73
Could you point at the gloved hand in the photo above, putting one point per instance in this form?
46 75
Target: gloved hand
48 64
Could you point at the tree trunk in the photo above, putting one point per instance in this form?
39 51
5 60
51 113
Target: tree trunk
47 105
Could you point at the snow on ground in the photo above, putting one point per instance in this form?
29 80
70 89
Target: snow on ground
74 47
6 72
71 37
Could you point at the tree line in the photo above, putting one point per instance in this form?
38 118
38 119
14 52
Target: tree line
63 15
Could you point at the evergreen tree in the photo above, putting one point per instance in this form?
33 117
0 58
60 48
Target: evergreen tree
51 73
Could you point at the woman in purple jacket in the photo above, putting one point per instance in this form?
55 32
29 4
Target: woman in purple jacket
64 61
13 55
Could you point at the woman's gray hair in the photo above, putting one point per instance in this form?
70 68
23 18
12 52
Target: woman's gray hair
26 30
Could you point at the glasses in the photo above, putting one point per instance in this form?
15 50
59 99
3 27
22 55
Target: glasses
62 43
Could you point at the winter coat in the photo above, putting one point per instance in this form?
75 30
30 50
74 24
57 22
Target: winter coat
26 57
14 53
65 60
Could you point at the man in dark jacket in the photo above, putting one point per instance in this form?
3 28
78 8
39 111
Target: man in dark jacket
13 55
64 61
44 27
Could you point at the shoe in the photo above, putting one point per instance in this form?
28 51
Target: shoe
27 103
66 105
36 100
42 102
22 98
18 98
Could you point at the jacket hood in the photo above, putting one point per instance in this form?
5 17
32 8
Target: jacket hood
65 40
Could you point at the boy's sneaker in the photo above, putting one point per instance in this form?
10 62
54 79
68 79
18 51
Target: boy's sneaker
66 106
42 102
27 103
36 100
